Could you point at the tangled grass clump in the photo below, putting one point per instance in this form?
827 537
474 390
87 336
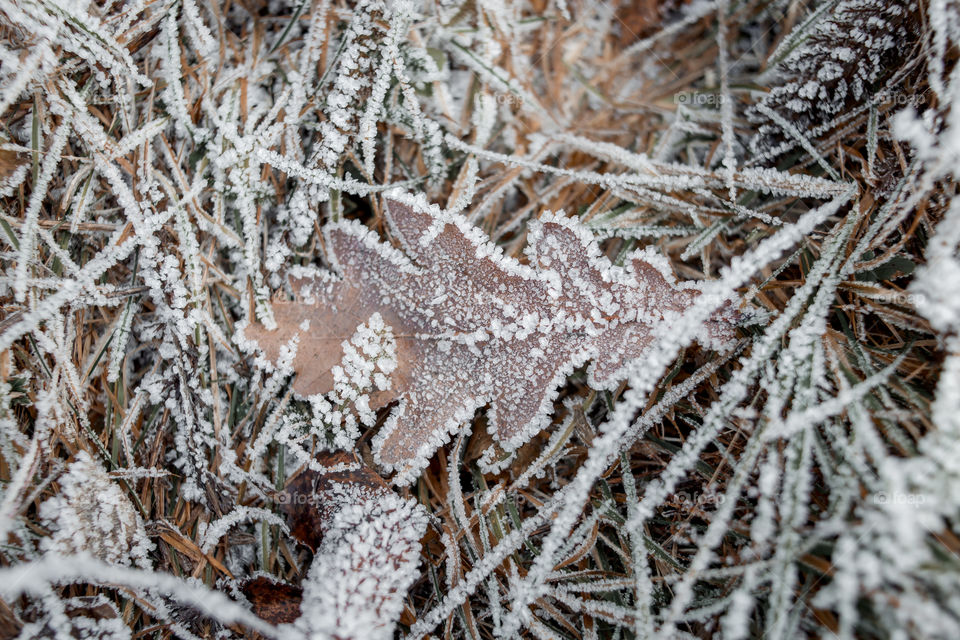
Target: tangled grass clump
164 164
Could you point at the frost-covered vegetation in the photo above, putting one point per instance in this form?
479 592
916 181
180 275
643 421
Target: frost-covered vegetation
670 351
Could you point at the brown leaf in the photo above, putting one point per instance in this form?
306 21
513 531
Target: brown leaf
275 602
475 328
10 161
366 541
308 515
94 607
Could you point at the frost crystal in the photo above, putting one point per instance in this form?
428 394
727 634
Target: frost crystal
368 560
839 61
367 543
369 358
92 515
475 327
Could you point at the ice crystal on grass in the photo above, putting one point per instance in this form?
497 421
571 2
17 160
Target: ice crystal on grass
173 173
475 327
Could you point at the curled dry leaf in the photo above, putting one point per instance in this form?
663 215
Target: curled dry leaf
474 327
367 547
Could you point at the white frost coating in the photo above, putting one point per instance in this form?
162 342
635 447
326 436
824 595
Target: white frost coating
93 515
360 574
667 176
51 163
482 328
937 286
37 577
490 561
210 534
832 65
641 382
891 548
369 357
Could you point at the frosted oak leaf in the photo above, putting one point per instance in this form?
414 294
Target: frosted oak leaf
473 327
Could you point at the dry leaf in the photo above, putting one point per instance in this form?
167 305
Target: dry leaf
91 514
474 327
10 161
12 165
10 624
274 601
308 514
367 543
